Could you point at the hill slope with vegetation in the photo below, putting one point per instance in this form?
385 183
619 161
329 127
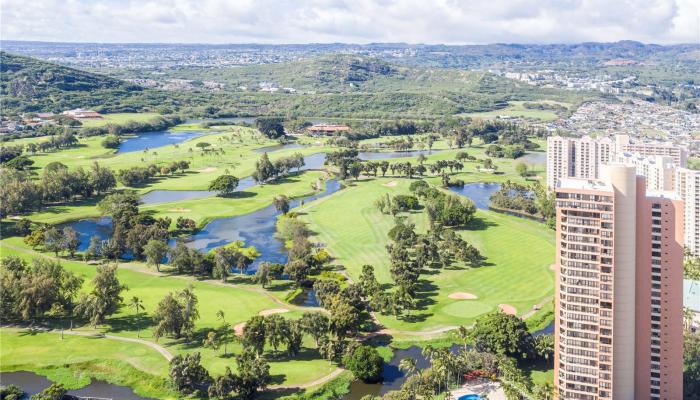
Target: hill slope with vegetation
32 85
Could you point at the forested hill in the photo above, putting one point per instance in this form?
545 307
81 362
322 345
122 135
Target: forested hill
29 84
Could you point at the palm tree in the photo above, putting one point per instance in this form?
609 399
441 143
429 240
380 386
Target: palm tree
137 305
463 335
225 328
408 365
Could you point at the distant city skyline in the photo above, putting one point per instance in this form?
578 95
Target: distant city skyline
344 21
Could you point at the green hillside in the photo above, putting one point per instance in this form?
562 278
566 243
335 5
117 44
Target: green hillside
29 84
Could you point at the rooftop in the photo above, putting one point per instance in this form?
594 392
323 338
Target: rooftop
583 184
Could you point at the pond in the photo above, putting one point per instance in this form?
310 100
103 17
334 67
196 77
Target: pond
153 140
537 157
254 229
479 193
278 147
393 376
32 383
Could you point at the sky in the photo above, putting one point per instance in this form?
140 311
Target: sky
351 21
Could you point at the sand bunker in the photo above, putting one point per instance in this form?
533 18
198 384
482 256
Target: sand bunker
508 309
391 184
273 311
179 210
207 169
238 329
462 296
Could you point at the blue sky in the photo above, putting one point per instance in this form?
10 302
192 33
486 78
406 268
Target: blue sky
351 21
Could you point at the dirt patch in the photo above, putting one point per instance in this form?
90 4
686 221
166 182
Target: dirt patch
207 169
462 296
508 309
391 184
179 210
238 329
273 311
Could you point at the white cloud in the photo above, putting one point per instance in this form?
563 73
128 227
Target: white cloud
356 21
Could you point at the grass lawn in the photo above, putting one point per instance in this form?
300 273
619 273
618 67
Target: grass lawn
119 119
517 109
130 364
356 234
238 302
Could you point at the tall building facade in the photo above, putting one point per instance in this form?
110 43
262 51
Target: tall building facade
688 189
618 331
659 171
582 157
679 154
576 157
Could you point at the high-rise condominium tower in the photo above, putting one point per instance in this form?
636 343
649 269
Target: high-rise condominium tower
688 189
618 318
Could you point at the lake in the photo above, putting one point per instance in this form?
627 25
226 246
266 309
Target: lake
254 229
32 384
479 193
153 140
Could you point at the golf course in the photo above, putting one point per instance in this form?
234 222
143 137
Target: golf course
345 230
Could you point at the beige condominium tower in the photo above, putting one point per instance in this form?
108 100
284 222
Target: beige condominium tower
618 324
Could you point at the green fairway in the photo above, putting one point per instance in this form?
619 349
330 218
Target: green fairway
518 253
119 119
134 365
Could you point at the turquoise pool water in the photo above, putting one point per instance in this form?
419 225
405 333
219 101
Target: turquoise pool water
469 397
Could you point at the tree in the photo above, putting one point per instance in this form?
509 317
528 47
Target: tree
315 324
691 365
297 270
262 275
169 317
254 334
224 184
408 365
187 373
501 333
264 170
111 142
281 203
155 250
224 259
93 249
137 305
270 127
543 346
71 240
190 312
104 299
521 169
53 240
365 363
253 374
54 392
276 330
225 330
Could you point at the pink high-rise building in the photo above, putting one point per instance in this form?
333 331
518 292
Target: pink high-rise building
619 303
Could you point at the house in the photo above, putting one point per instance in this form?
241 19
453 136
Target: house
80 113
327 129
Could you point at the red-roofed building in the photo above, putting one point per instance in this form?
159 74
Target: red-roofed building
327 129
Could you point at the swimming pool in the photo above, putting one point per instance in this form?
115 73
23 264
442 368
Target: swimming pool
469 397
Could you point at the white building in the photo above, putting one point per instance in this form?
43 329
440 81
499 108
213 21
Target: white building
688 189
659 171
648 148
576 157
